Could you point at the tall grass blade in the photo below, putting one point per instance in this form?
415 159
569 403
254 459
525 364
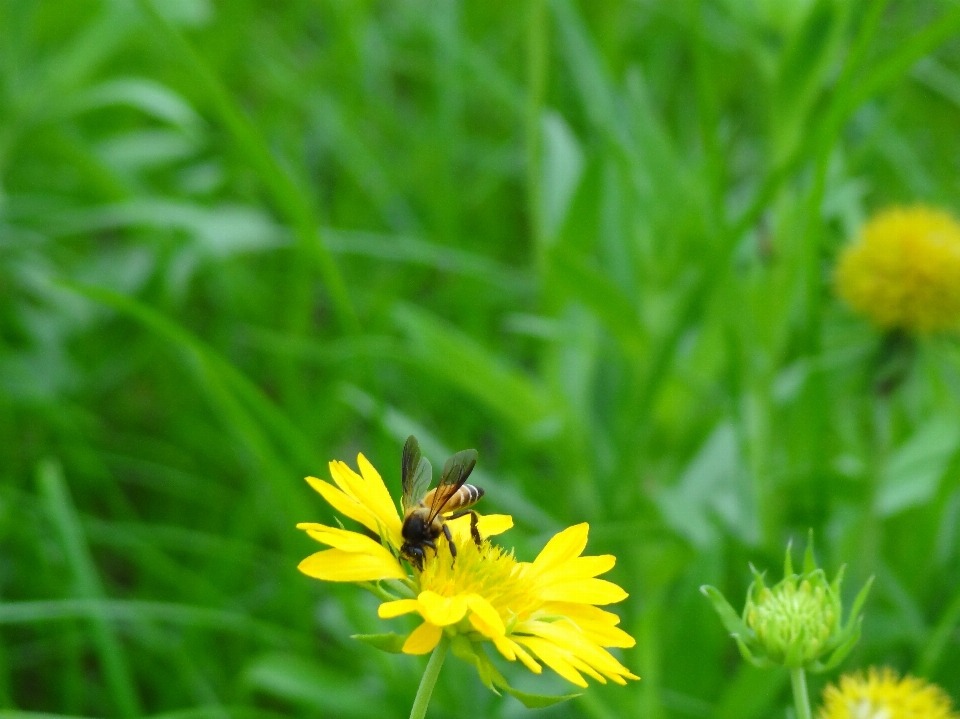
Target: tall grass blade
59 506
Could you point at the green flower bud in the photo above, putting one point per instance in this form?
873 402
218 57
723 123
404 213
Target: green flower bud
797 623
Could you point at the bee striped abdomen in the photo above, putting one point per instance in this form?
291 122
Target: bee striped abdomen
453 499
467 495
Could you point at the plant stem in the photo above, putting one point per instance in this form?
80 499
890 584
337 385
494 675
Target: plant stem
430 674
800 698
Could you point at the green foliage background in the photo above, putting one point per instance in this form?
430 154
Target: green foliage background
593 240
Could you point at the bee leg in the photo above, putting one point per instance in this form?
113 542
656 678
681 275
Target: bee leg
474 532
453 547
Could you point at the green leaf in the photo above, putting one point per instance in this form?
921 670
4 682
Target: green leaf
840 653
860 601
474 654
758 576
536 701
471 653
838 580
391 643
788 560
759 662
731 620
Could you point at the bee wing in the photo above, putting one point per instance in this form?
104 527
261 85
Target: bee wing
416 474
454 474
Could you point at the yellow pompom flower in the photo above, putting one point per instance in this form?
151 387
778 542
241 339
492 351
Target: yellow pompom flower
881 694
903 271
544 611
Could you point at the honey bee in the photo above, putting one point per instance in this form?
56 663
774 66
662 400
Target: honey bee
425 514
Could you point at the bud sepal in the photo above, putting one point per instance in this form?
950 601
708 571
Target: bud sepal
796 623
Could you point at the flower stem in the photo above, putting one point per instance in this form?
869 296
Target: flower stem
800 697
430 674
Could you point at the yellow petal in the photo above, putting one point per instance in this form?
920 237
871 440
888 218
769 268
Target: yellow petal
345 539
603 634
563 547
576 644
586 591
513 651
345 504
389 610
553 658
481 626
375 499
582 666
422 639
347 480
378 491
580 568
482 609
527 659
579 613
441 610
336 565
490 525
506 647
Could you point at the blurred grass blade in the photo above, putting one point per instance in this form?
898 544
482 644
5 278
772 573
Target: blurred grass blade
76 61
612 307
597 93
447 353
222 380
147 95
364 166
560 173
211 712
752 693
898 63
403 248
714 486
105 610
59 506
313 685
940 638
913 473
284 190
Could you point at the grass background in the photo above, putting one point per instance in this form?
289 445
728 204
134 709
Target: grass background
593 240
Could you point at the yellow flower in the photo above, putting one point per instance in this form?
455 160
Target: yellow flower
542 611
903 271
882 695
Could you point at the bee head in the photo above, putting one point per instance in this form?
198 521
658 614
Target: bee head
414 553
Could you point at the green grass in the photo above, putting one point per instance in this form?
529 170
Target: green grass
592 240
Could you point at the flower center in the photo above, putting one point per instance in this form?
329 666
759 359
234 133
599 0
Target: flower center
488 570
865 709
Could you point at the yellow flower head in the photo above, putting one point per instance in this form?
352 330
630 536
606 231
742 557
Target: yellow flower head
903 271
882 695
542 611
